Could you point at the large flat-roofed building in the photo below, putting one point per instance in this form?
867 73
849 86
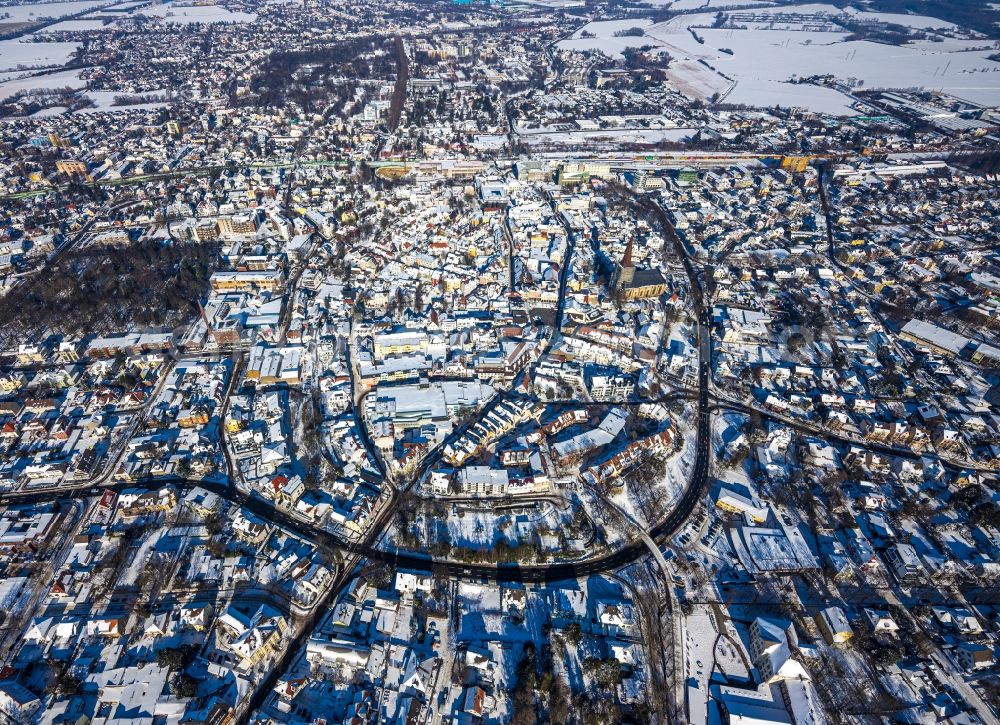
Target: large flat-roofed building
129 344
764 549
275 365
266 280
933 337
394 369
762 706
414 406
407 342
23 529
244 224
72 168
483 480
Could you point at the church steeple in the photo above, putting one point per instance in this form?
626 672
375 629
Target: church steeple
627 257
626 270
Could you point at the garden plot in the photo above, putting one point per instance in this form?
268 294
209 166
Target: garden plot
634 498
483 529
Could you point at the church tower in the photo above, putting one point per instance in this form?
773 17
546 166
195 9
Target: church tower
626 270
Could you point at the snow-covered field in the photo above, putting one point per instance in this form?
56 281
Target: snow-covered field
186 14
105 101
118 10
917 22
482 529
15 54
779 56
707 4
63 79
762 62
696 81
604 36
49 112
36 11
70 79
73 25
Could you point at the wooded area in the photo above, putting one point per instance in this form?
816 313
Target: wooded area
147 284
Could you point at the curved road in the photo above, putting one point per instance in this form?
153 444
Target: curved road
506 572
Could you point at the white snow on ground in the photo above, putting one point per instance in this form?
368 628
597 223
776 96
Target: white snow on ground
608 28
72 25
481 529
51 111
120 9
731 656
669 489
696 81
679 470
918 538
36 11
723 423
197 14
707 4
958 545
604 38
105 101
700 636
773 93
490 141
764 60
910 21
483 625
615 135
70 78
476 529
918 22
14 54
475 597
731 423
728 659
680 466
135 567
778 56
